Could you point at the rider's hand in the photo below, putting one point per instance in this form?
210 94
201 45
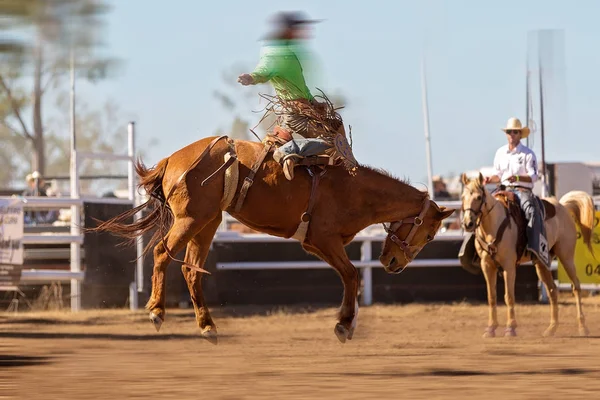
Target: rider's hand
486 180
245 79
512 179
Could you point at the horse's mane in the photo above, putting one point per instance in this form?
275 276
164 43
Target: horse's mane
387 174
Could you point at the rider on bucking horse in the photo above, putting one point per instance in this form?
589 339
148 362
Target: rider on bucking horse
307 128
516 168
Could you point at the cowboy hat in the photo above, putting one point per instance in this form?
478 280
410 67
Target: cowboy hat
284 20
514 124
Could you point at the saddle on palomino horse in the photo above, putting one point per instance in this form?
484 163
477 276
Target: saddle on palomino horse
511 202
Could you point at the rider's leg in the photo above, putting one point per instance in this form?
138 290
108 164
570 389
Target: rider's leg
296 149
536 234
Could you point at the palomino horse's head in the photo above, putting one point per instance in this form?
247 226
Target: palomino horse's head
473 201
416 232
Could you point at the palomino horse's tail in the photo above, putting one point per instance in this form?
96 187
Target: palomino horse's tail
581 205
160 214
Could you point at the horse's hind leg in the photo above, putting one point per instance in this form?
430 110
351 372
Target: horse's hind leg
180 233
566 256
196 254
546 277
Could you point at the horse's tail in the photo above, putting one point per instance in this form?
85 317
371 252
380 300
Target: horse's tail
581 205
160 215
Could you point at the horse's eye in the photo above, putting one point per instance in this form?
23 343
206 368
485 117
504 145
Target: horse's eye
478 197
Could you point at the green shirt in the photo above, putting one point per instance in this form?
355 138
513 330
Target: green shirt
280 65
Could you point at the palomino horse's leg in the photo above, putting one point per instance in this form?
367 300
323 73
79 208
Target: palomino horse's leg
566 256
335 255
490 272
510 275
196 253
546 277
179 234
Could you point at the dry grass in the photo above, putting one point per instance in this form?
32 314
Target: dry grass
412 351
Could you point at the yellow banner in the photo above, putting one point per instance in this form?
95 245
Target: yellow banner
588 267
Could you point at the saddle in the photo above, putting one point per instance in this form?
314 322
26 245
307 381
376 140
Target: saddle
280 136
510 201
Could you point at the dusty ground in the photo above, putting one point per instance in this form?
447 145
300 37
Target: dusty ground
410 352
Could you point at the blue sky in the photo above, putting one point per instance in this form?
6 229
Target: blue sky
371 52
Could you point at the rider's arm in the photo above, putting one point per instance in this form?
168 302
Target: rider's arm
265 70
492 179
530 168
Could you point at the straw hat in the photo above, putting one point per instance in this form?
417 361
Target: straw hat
514 124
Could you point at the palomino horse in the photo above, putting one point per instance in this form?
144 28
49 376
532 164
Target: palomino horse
497 247
342 205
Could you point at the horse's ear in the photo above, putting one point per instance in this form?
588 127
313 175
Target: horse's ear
445 213
480 179
464 178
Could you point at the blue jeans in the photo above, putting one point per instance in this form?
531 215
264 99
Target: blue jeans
536 231
302 147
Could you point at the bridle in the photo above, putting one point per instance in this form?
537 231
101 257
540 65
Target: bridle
479 213
394 226
489 247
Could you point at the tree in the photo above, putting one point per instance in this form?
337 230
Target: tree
14 13
60 28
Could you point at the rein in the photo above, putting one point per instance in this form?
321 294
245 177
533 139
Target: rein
415 221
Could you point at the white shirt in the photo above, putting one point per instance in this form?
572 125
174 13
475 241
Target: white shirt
520 161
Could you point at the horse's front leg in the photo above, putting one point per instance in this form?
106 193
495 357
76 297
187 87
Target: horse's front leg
510 275
490 272
332 251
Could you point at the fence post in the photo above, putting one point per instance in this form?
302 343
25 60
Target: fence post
137 286
75 231
367 274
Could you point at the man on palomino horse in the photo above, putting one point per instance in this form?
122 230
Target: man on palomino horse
307 127
516 168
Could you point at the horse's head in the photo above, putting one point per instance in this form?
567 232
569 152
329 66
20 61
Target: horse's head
473 200
416 232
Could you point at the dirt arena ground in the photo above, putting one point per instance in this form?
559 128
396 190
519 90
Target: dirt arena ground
409 352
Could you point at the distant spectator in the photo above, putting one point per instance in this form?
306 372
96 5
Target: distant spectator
36 187
440 192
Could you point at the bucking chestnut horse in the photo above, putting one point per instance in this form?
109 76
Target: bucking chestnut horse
323 207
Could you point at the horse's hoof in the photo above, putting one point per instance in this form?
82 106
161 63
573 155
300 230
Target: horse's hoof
156 321
584 331
489 332
510 332
351 333
550 331
210 334
341 332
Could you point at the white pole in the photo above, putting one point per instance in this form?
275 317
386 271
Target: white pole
367 275
426 125
75 210
137 285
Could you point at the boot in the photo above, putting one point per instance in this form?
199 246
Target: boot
288 167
